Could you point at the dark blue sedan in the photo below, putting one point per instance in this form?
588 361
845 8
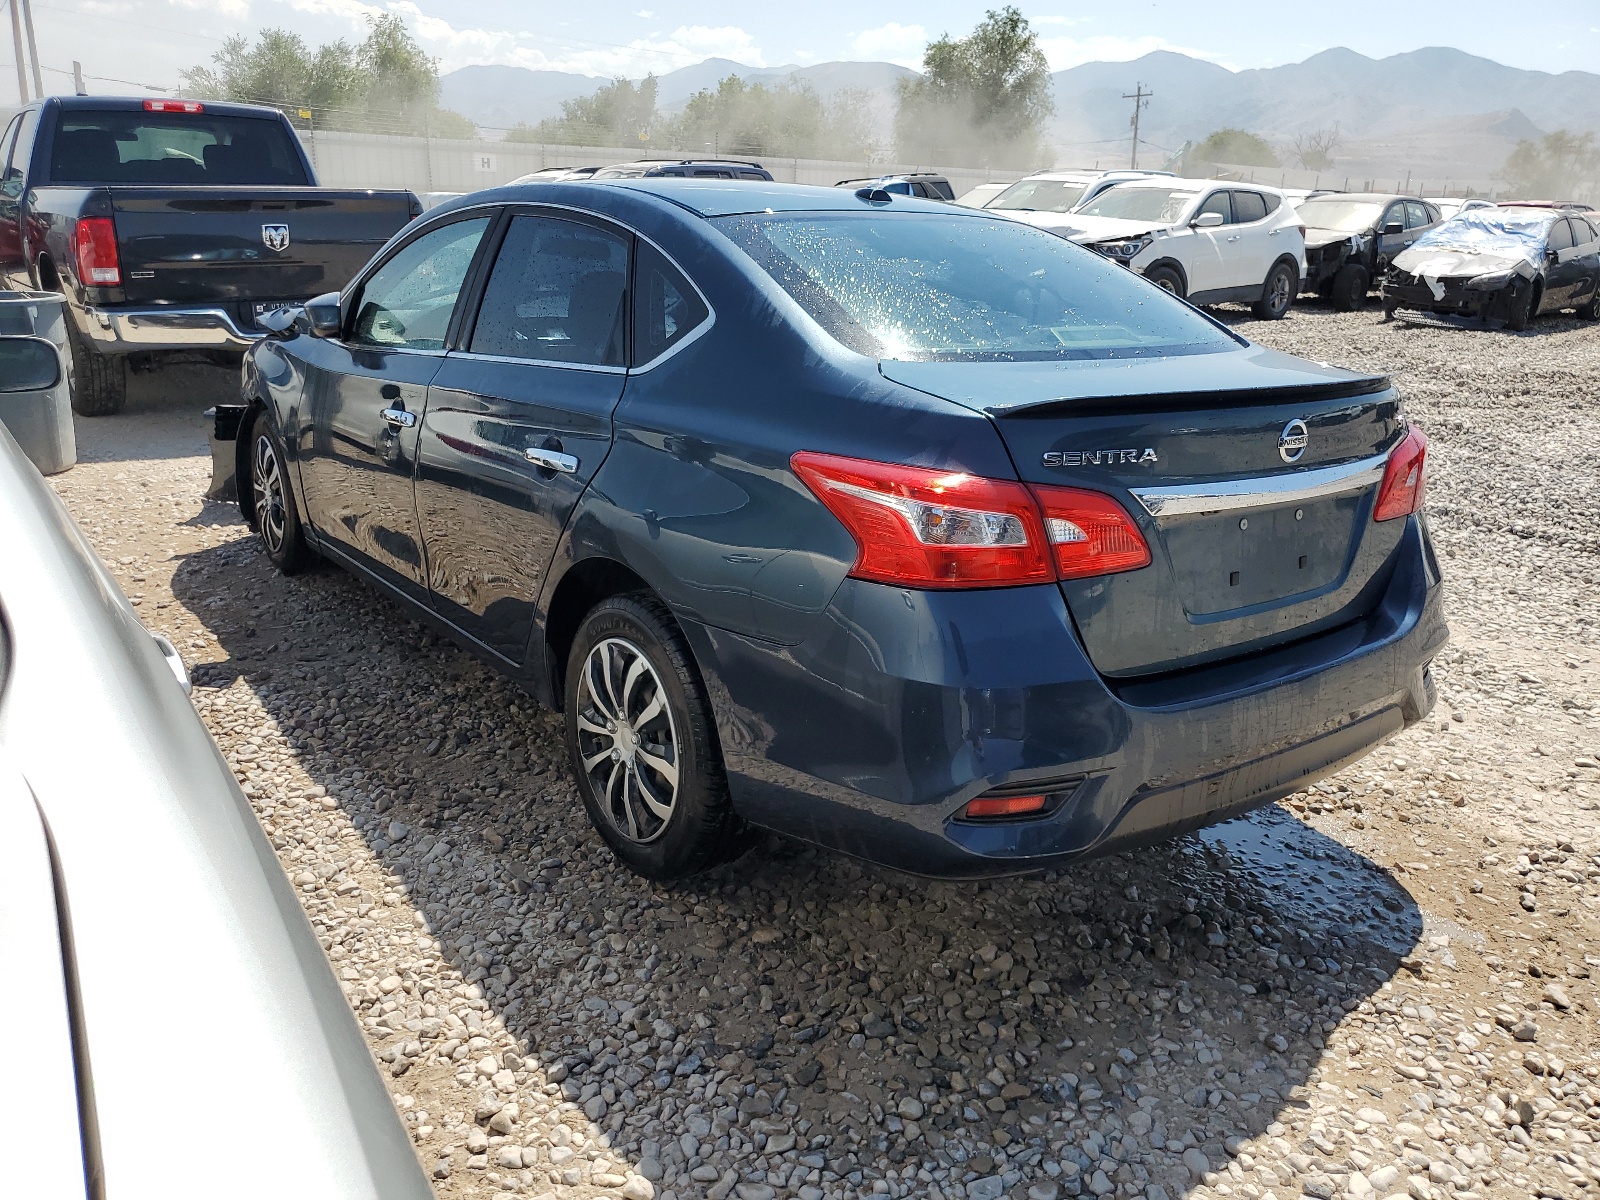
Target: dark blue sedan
911 531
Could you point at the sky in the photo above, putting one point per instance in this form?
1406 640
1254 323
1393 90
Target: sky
148 42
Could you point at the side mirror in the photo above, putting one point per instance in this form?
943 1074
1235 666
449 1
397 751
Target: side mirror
282 322
1207 220
28 364
1393 227
324 318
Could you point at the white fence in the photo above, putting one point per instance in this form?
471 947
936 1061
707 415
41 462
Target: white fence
439 165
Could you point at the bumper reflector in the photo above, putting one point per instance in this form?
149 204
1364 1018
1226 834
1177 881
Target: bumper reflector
1003 806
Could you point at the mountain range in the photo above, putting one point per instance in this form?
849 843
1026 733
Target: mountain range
1436 110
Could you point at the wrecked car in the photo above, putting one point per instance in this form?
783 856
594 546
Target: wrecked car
1351 238
1502 266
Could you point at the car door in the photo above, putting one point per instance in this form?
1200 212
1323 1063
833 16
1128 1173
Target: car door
519 419
1206 265
1587 257
1392 233
1563 269
1250 238
367 393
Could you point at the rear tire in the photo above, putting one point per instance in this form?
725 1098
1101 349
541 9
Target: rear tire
99 381
1591 310
272 502
643 743
1350 288
1167 280
1277 292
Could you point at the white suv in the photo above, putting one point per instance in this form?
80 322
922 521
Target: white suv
1046 197
1206 240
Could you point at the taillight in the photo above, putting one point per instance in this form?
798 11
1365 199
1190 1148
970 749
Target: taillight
1002 806
96 244
1090 533
1405 478
183 106
921 527
928 528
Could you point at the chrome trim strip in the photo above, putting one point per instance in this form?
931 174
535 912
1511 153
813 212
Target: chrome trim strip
1261 491
513 360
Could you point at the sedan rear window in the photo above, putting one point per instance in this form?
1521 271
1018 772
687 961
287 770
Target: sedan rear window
173 148
931 287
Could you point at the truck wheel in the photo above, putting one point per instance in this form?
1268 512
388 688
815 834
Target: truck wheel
273 510
643 744
1350 287
1277 293
1167 280
1522 307
99 381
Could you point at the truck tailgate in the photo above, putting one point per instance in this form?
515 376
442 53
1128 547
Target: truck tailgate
243 246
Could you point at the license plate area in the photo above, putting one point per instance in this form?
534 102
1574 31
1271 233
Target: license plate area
1224 562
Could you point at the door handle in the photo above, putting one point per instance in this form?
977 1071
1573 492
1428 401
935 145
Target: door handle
399 417
1234 238
551 460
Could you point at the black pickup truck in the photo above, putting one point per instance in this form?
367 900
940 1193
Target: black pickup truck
170 226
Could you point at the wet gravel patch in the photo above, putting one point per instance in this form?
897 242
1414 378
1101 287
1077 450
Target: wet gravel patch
1382 987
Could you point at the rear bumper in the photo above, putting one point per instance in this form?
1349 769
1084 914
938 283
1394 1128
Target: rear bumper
133 330
871 736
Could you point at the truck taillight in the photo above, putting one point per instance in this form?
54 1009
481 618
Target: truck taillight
922 527
183 106
96 244
1405 478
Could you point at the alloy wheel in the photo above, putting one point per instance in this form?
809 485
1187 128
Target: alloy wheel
628 739
269 494
1278 298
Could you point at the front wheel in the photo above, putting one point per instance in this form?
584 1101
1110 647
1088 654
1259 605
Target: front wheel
1522 309
272 505
1277 292
1350 287
1591 310
1167 280
643 744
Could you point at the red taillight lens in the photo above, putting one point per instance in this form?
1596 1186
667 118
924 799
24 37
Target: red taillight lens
1090 533
1003 806
96 244
1405 479
183 106
920 527
926 528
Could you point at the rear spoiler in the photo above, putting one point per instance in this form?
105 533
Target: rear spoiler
1096 406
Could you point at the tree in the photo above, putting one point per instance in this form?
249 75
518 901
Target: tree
1314 150
386 83
1558 166
1235 147
789 119
622 113
983 99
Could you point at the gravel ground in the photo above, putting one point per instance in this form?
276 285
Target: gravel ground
1383 987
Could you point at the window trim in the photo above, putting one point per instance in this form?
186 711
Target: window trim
350 298
693 335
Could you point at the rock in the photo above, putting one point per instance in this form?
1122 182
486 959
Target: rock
1557 996
990 1187
1100 1184
1197 1162
639 1187
1044 1191
650 1169
1320 1187
509 1157
1525 1031
754 1191
705 1173
1384 1179
910 1108
1372 1116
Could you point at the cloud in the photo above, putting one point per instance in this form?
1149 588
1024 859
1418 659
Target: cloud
1064 52
1069 21
353 11
236 9
893 42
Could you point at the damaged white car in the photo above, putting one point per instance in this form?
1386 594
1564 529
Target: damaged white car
1500 266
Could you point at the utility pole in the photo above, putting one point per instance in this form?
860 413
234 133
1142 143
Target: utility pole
33 49
77 78
1141 99
16 42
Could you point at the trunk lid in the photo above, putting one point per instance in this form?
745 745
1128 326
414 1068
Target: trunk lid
216 245
1248 549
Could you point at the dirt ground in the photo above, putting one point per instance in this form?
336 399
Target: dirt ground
1383 986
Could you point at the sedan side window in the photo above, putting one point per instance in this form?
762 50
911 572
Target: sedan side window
1248 207
665 306
557 294
1583 231
1395 216
1560 237
1217 203
1417 215
408 302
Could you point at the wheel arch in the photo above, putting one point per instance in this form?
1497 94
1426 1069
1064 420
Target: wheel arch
1172 265
243 470
582 586
1294 265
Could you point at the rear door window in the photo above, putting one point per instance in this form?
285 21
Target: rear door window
557 294
173 148
1417 215
666 307
408 302
1248 207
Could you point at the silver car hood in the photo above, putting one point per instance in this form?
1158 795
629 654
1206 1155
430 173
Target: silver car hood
187 936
